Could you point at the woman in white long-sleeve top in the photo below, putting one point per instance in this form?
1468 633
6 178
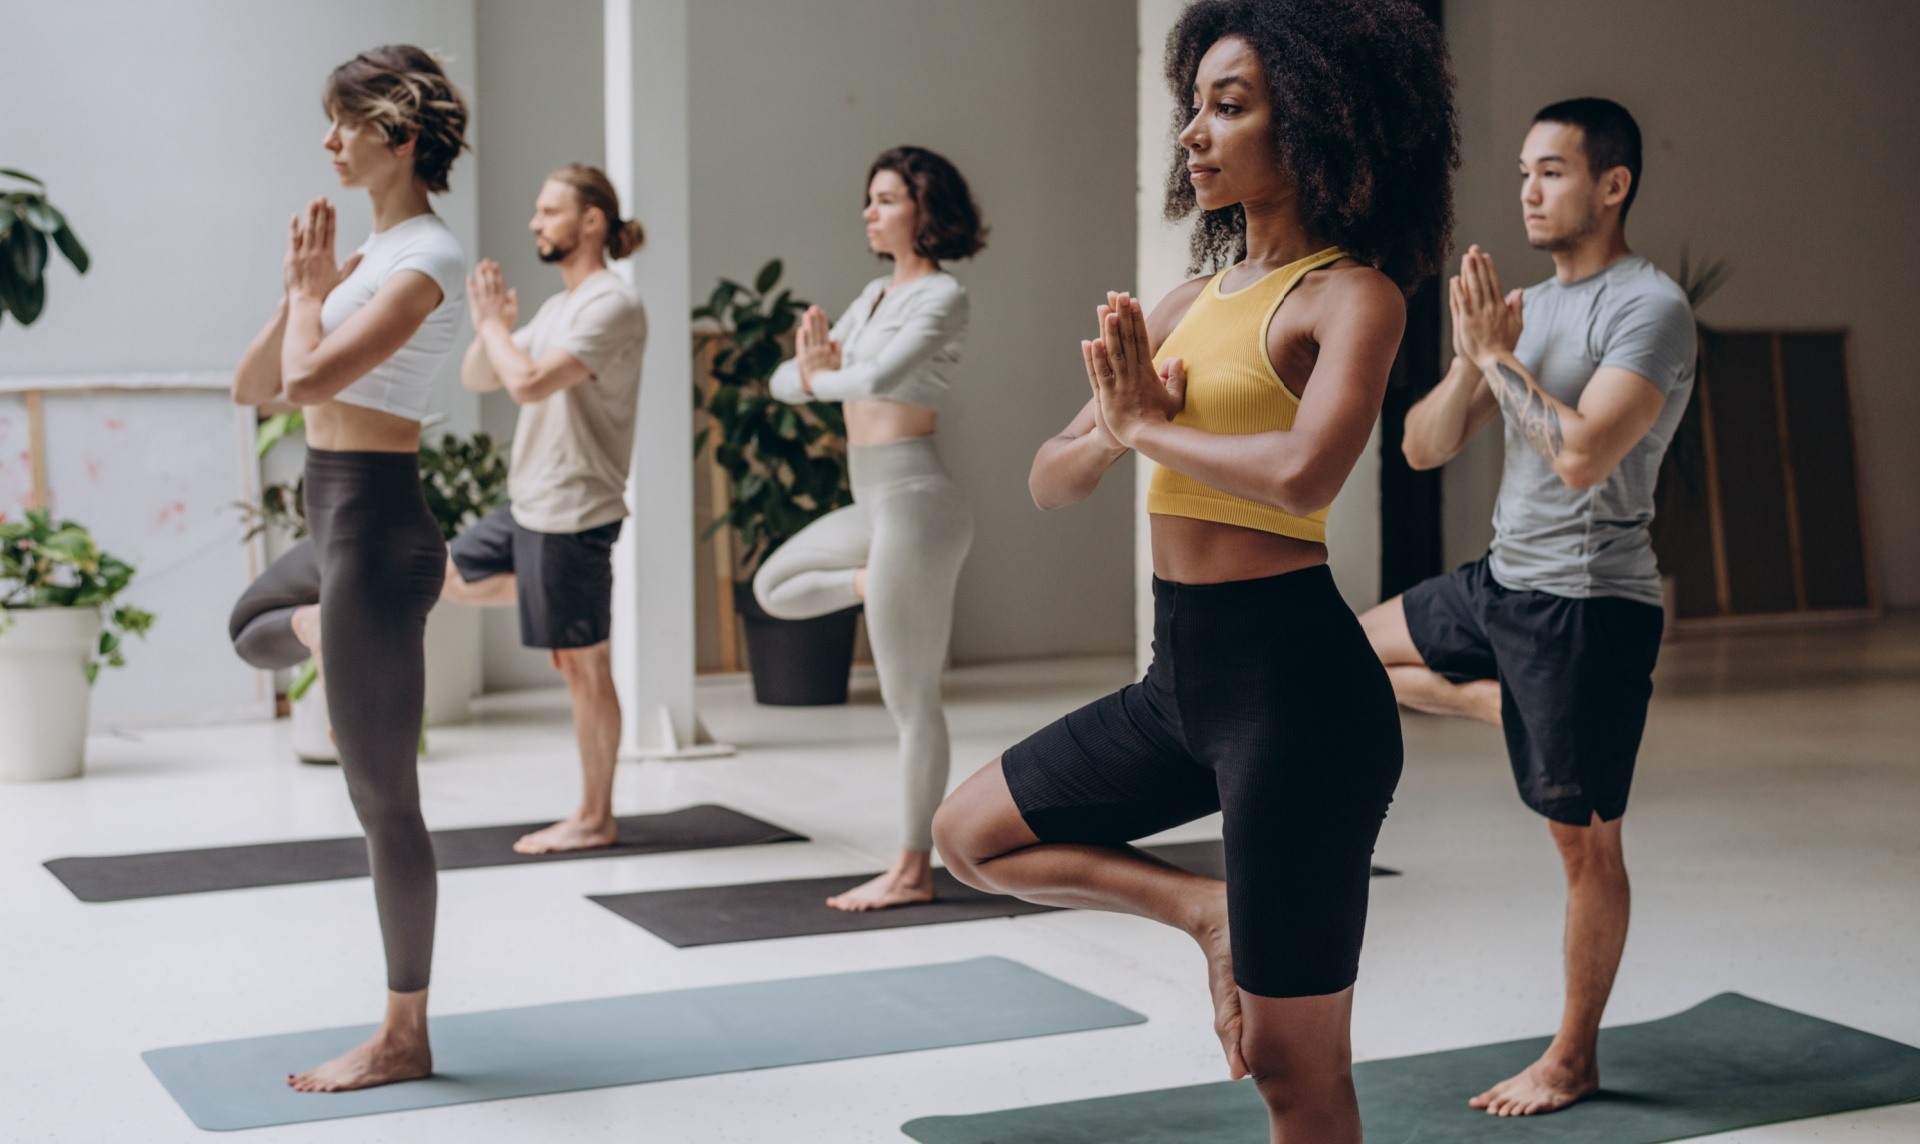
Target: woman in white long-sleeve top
891 359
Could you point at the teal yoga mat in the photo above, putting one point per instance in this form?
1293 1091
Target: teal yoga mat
1729 1062
642 1037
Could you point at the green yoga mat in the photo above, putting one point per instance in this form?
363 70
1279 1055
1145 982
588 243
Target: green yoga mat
1729 1062
643 1037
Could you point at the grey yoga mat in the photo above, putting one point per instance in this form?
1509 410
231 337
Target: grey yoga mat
609 1041
755 911
1729 1062
119 877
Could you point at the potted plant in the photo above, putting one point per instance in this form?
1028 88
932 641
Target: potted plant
786 467
28 224
463 478
60 622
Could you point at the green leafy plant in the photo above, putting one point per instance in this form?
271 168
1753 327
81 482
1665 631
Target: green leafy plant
786 463
56 564
28 225
465 478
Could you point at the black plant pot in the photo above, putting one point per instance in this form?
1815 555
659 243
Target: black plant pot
797 663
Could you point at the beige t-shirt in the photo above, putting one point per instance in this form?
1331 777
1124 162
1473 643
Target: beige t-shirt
572 449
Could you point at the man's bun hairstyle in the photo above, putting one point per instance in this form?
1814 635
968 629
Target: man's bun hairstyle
595 190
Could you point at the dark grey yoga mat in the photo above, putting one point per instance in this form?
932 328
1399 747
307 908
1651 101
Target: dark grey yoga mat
119 877
1729 1062
756 911
643 1037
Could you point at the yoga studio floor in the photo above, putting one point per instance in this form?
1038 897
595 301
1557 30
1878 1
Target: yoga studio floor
1774 838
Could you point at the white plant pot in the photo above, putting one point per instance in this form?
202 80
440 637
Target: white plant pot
44 692
312 733
453 663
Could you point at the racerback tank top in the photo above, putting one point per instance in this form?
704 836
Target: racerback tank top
1232 388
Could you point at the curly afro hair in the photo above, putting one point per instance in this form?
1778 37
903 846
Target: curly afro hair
1362 105
403 91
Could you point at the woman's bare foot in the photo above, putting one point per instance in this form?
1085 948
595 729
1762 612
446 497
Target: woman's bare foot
1547 1085
399 1051
576 833
1211 933
306 628
910 881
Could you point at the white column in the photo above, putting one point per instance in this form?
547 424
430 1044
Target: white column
647 158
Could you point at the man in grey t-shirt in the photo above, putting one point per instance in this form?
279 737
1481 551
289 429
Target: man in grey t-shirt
1553 635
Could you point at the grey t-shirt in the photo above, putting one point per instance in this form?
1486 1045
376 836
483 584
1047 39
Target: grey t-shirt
1549 537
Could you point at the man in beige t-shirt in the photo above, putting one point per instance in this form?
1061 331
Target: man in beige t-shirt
575 373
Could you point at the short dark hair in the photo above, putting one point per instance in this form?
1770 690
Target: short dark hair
1362 104
403 91
1609 137
949 225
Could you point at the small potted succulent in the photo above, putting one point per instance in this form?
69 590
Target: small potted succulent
787 467
61 621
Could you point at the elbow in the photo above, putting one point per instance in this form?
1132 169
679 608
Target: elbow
1418 458
1301 493
304 389
1579 472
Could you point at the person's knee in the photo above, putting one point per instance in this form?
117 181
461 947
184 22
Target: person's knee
590 667
960 835
1590 851
1385 625
1288 1077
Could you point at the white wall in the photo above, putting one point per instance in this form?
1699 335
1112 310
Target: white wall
1778 134
1033 102
178 138
541 102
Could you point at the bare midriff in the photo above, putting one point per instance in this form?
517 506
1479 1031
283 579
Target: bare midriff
1191 551
881 422
339 427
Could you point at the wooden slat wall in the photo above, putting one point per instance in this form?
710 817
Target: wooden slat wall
1774 527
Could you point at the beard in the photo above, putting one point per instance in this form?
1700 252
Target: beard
1567 240
554 252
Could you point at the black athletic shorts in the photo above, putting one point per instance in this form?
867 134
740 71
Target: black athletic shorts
1264 702
1575 677
565 579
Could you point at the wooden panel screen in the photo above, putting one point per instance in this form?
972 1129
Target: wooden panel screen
1768 520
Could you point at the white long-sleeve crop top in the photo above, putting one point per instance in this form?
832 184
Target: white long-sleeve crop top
895 345
403 384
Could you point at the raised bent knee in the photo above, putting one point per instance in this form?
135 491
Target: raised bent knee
955 837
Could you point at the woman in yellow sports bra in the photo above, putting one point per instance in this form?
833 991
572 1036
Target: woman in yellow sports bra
1318 147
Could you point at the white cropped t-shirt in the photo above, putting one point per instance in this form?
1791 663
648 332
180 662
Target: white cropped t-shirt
895 345
403 384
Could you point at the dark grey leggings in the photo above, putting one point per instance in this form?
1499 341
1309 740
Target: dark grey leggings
375 564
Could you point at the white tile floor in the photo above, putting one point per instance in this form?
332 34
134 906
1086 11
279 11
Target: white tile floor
1775 843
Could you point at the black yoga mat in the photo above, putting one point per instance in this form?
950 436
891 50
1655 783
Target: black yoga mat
119 877
716 915
1729 1062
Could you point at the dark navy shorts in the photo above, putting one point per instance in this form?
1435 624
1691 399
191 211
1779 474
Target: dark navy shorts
1575 678
565 579
1266 703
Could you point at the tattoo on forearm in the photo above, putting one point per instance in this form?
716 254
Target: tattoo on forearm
1531 412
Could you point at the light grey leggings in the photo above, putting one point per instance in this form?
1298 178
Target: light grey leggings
910 528
375 566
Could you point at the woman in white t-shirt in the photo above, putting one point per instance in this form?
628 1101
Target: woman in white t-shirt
357 346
